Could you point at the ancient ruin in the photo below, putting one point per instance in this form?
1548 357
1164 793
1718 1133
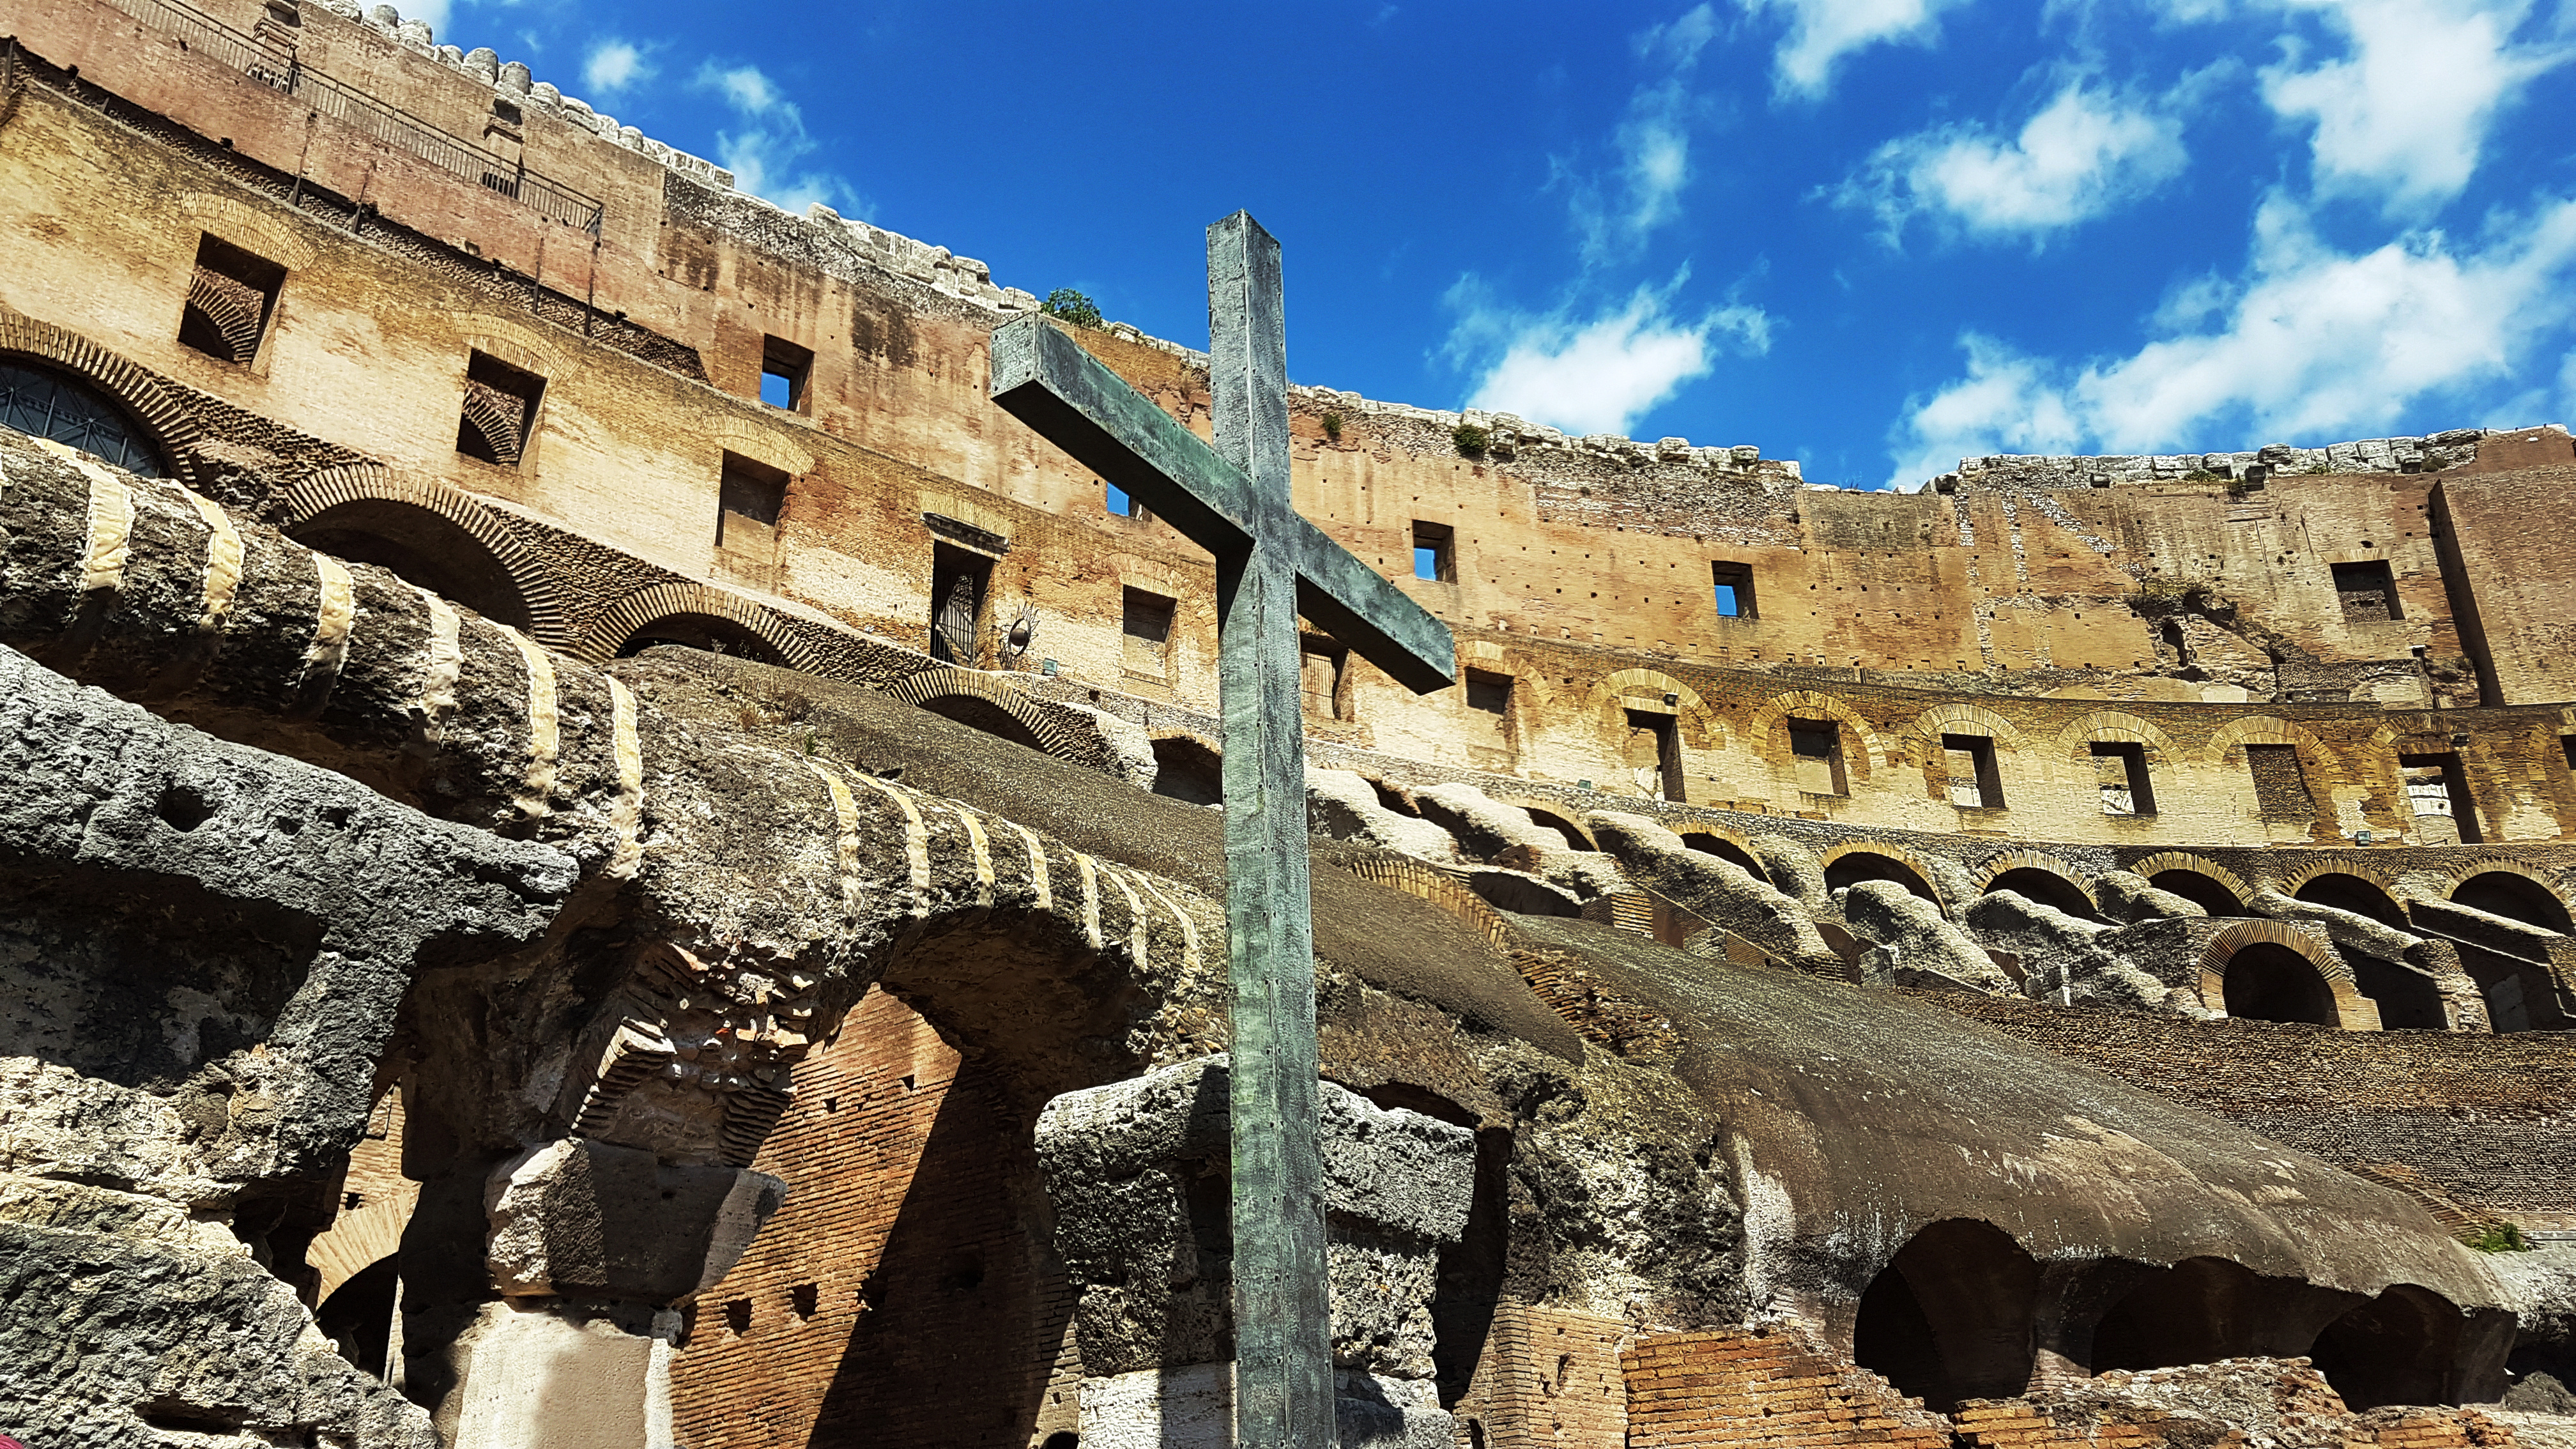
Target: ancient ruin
601 850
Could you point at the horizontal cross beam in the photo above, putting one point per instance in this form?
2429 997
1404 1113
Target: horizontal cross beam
1047 380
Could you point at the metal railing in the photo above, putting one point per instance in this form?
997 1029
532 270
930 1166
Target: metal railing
278 68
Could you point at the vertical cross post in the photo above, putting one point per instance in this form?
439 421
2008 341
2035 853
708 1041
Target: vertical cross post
1282 1299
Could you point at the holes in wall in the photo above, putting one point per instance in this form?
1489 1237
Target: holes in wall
1816 757
804 1299
1973 782
2366 590
230 297
737 1315
182 808
1145 630
1434 552
499 410
785 369
2120 773
750 496
1734 586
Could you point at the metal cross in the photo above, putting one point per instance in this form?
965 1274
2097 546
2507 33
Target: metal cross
1271 566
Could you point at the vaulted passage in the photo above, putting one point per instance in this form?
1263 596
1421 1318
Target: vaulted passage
1951 1315
1188 771
977 712
2515 897
2201 890
424 549
2352 893
1861 865
2266 982
2049 889
2399 1348
2204 1309
701 631
1726 850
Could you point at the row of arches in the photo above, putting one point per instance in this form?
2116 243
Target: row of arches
1962 1312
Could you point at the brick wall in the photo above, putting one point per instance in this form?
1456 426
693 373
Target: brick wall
2482 1120
1548 1377
1763 1386
904 1294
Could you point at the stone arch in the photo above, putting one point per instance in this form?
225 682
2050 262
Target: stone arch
355 1241
1767 732
974 699
2348 885
2493 884
435 530
2202 1310
160 412
1548 817
1728 846
1857 861
768 445
522 347
2331 997
709 610
1188 769
1961 717
2203 882
2111 726
2043 878
1445 891
2401 1347
2264 729
1952 1316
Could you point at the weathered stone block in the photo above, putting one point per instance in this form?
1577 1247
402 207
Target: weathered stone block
585 1217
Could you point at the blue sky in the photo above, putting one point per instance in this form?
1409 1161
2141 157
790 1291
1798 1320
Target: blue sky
1874 235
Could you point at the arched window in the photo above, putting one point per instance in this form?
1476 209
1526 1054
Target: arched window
44 403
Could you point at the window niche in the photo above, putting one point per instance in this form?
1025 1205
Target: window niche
230 298
2280 786
1973 781
2367 591
2438 794
499 410
785 369
749 500
1435 556
960 580
1655 753
1323 678
1489 694
2120 773
1816 755
1145 630
1734 588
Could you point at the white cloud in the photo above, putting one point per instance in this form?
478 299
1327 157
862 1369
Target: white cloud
433 11
1822 32
764 152
2404 113
2314 343
614 65
1653 139
2085 153
1596 376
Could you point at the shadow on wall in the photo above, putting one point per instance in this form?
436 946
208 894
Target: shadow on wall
1188 771
1962 1312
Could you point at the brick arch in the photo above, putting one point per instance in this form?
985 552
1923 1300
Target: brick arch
2106 725
2289 881
524 348
1693 711
1534 807
1445 891
768 445
2353 1011
622 620
945 683
1927 728
1910 859
2460 874
2147 867
2026 859
245 226
2264 729
159 410
549 614
357 1241
1766 734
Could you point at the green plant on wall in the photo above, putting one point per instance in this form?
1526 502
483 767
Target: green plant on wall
1470 440
2160 594
1071 306
1333 426
2498 1238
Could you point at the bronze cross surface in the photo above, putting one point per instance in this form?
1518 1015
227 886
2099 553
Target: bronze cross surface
1271 565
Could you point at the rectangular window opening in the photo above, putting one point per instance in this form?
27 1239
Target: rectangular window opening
2120 770
1122 504
1323 677
1734 590
2280 786
1490 693
750 496
959 579
1434 556
784 370
2366 590
1145 625
1816 750
230 297
2567 746
1974 783
2437 789
499 408
1651 730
